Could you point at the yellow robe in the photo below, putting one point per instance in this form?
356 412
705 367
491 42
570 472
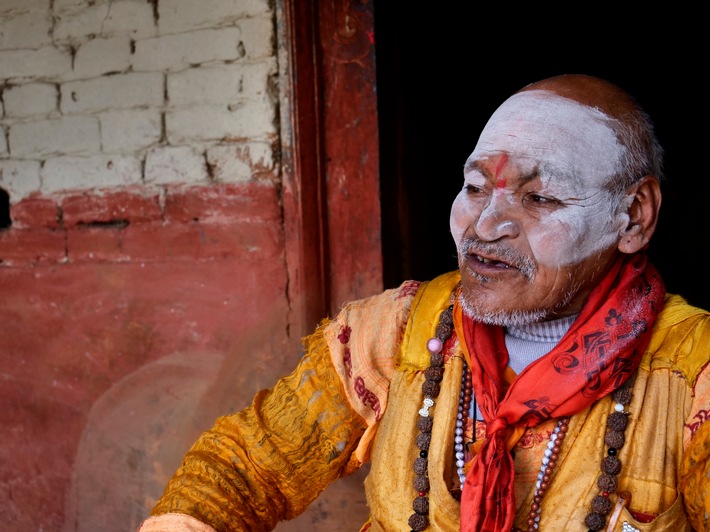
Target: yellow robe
355 397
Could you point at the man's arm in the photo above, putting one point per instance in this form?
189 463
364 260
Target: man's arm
268 462
695 468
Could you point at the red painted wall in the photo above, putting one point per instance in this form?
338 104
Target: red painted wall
130 320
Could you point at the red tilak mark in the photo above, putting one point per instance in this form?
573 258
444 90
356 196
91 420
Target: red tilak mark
499 169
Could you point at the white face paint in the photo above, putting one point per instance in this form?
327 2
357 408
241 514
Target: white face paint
573 139
573 151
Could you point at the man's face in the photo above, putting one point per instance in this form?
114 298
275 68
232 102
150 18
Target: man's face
534 224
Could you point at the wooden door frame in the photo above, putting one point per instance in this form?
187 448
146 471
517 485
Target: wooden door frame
330 155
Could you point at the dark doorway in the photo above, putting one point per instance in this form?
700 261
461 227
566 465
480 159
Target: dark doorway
442 71
5 220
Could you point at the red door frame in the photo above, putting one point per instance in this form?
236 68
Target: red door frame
331 160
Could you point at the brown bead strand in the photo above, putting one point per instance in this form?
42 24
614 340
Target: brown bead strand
615 438
552 454
419 520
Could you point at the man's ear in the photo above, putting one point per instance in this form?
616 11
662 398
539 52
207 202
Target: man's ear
643 215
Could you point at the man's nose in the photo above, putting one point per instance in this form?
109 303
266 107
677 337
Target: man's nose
498 219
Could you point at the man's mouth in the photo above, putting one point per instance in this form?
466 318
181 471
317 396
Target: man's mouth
486 260
487 264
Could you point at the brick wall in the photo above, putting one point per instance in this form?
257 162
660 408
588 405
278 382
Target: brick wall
143 278
103 94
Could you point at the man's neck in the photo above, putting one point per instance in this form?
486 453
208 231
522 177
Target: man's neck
527 343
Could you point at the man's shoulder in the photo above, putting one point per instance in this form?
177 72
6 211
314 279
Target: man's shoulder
408 293
677 309
387 313
681 339
431 299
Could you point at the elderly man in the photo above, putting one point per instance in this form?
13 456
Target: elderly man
551 383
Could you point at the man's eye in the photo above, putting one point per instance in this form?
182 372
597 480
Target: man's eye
539 199
471 189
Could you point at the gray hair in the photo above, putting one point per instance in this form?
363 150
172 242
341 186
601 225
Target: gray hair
643 155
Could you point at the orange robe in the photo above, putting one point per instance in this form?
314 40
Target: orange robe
355 398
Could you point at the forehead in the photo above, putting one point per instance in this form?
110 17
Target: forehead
553 134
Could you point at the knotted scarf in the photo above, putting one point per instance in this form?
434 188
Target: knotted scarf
599 352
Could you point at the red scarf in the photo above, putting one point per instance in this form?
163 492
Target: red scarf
600 351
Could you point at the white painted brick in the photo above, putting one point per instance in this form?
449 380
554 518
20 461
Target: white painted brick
22 6
239 162
222 102
178 15
249 119
96 171
66 135
121 91
46 63
63 5
219 84
3 143
101 56
78 24
179 164
176 52
119 18
132 17
130 130
255 76
19 178
258 36
26 30
30 99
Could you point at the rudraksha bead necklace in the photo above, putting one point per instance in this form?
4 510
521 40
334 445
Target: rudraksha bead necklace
614 439
610 466
419 520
